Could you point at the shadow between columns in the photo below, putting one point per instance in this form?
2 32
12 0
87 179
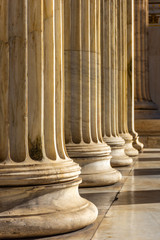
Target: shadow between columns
138 197
149 159
143 172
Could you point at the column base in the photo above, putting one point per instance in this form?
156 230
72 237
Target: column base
94 159
129 149
119 158
46 210
137 144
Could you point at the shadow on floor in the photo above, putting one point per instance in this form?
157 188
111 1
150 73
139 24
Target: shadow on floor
138 197
145 171
149 159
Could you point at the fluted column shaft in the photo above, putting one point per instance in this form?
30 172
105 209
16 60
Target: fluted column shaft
110 74
83 93
143 99
123 84
131 74
35 170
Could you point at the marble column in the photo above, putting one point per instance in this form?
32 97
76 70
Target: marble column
131 74
38 181
123 83
143 99
110 75
83 93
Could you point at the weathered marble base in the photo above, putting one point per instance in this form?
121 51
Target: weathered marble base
129 149
119 158
94 160
43 210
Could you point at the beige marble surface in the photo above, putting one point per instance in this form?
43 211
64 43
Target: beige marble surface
110 54
123 83
40 182
83 134
131 74
135 213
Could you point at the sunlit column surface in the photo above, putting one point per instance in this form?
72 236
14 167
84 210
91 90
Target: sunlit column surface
83 93
123 83
39 182
110 75
131 74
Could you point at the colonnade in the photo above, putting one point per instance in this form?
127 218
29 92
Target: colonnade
146 111
66 74
143 99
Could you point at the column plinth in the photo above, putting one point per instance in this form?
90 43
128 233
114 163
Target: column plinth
84 141
119 157
129 149
43 210
38 181
94 158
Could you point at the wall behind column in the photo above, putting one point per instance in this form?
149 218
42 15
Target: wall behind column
154 50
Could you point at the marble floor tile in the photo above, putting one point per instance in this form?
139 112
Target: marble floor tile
151 182
147 164
128 210
146 171
130 222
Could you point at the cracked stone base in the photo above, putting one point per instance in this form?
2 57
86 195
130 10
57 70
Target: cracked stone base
38 211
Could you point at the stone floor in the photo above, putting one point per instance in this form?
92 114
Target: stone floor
129 210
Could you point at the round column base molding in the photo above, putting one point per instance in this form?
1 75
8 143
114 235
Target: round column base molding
119 158
129 149
94 160
46 210
137 144
106 178
32 172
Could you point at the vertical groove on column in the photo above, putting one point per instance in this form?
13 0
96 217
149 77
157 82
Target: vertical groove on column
117 73
93 68
138 96
106 66
86 84
35 78
49 77
4 80
112 35
148 96
17 77
142 31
